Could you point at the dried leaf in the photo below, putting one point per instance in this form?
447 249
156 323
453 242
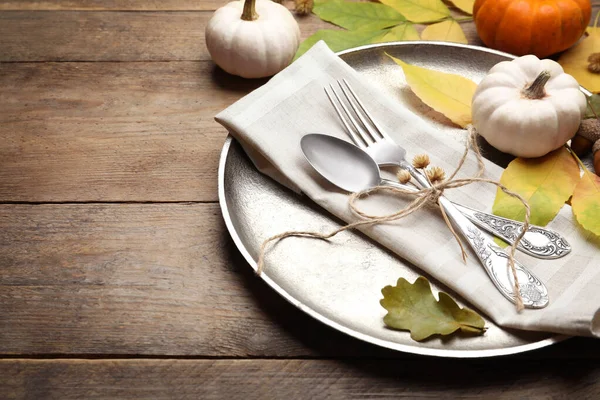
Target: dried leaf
593 108
403 31
464 5
338 40
354 16
413 307
575 60
420 11
446 93
586 202
447 31
546 183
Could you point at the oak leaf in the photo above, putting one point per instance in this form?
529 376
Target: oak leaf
355 16
448 94
413 307
447 31
419 11
586 202
546 183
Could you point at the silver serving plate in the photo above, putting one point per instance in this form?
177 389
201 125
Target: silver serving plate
339 282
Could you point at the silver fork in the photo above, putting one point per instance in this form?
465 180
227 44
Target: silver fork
366 133
537 241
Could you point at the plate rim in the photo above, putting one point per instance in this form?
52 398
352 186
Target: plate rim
333 324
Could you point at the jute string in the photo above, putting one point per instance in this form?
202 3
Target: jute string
423 197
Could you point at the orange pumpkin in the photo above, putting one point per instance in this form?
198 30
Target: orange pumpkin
539 27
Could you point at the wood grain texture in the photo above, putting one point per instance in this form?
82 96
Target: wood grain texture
111 36
122 36
152 279
111 5
305 379
161 279
113 131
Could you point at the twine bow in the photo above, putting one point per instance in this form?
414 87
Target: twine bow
423 197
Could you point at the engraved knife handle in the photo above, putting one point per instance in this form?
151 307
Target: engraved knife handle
496 263
537 241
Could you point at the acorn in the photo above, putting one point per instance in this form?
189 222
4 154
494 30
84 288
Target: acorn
596 150
581 145
587 134
594 63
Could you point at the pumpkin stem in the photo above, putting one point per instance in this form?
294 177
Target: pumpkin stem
536 90
249 13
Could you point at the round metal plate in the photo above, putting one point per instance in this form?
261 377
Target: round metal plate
345 294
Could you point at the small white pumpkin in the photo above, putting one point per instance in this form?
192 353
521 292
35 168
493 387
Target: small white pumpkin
252 38
528 107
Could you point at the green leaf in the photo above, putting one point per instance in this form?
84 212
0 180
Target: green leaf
586 202
593 108
403 31
355 16
546 183
338 40
420 11
413 308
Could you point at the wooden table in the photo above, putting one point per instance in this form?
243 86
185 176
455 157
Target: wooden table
118 278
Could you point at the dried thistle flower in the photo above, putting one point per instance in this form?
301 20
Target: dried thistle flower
436 174
403 176
421 161
304 6
594 63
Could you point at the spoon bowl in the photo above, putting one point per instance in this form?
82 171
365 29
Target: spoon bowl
341 163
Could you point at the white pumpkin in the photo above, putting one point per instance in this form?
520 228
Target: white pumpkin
528 107
252 38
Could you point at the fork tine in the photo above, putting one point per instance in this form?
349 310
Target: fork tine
359 137
378 129
364 129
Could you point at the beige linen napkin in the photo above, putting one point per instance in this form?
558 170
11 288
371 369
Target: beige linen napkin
269 124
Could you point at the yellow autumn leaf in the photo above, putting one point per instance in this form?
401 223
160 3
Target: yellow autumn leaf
575 60
546 183
586 202
403 31
464 5
448 94
447 31
419 10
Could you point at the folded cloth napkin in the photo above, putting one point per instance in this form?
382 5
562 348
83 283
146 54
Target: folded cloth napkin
269 124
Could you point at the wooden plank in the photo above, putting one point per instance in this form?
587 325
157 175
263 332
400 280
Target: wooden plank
110 36
145 279
306 379
113 131
121 36
111 5
152 279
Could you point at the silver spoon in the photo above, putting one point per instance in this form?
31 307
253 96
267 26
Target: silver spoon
352 169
